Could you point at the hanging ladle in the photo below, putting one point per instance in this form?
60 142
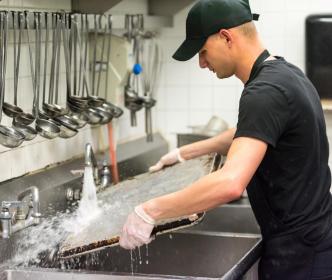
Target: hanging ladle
51 108
9 137
66 125
115 110
28 132
23 118
95 101
9 109
45 128
93 116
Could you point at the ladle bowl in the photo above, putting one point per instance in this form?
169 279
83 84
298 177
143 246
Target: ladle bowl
115 111
80 118
78 104
93 116
24 118
67 132
67 120
96 101
28 132
78 99
54 110
75 109
47 128
11 110
106 116
10 137
68 126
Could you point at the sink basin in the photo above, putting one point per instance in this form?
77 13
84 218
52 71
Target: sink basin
180 255
45 274
229 219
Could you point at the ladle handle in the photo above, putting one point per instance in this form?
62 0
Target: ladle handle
35 109
66 51
54 40
108 53
4 44
102 54
57 67
2 66
45 55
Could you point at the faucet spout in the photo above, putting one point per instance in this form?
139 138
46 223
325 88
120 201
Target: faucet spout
33 192
90 161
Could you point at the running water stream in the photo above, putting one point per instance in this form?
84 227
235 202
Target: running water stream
88 206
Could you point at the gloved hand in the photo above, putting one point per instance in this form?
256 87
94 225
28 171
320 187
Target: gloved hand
137 229
170 158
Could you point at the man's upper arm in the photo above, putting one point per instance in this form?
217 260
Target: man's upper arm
243 159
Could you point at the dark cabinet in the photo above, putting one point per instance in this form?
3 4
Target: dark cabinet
319 53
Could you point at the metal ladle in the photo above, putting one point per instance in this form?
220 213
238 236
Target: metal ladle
28 132
116 111
95 100
23 118
52 109
9 109
68 125
93 116
79 104
9 137
45 128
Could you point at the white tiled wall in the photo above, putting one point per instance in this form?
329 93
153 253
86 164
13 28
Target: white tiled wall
187 95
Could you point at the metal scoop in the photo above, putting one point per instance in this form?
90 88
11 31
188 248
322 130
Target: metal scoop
22 126
52 109
12 110
45 128
9 137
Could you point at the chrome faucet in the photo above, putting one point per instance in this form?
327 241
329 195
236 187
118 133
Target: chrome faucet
13 216
101 177
90 161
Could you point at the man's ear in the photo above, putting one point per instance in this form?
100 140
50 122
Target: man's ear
224 33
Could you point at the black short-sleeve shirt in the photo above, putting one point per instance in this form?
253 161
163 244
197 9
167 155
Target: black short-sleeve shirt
290 191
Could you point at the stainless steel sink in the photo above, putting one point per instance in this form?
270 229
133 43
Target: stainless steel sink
230 218
45 274
178 255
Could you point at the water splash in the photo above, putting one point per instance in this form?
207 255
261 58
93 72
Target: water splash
39 244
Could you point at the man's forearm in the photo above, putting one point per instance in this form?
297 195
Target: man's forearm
217 144
206 193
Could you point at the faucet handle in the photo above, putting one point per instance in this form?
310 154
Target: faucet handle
12 204
19 206
5 214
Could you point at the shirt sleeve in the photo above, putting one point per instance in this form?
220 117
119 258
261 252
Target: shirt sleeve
263 114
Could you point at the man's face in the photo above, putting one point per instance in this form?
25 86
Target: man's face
215 55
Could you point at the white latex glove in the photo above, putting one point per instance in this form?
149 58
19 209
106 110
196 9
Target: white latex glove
170 158
137 229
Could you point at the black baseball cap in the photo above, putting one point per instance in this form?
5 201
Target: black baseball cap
207 17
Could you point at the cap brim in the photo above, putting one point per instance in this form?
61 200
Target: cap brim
188 49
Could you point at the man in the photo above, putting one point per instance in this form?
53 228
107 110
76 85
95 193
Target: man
278 151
